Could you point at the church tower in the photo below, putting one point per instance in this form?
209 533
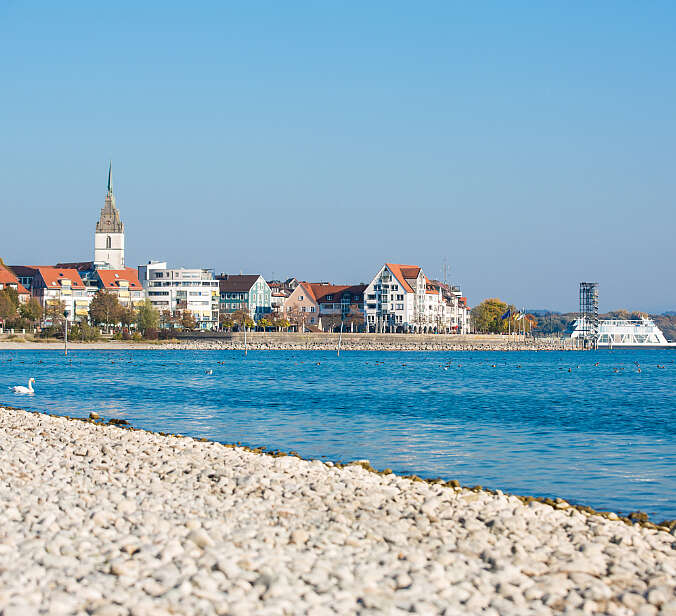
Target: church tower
109 236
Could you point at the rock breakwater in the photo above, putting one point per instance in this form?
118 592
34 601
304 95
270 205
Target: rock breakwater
369 342
105 520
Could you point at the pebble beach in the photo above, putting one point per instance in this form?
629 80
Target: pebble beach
101 519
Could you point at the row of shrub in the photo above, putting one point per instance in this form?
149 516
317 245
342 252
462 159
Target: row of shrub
150 334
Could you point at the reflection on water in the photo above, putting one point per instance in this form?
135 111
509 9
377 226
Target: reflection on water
600 435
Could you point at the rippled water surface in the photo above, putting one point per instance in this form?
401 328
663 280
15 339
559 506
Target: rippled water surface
547 423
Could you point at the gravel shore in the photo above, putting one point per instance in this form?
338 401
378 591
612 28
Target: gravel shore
98 519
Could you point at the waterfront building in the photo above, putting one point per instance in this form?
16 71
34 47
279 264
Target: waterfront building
324 306
124 284
249 293
53 285
400 298
109 235
283 285
8 280
24 274
278 299
174 291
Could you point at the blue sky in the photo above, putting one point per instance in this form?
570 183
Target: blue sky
532 146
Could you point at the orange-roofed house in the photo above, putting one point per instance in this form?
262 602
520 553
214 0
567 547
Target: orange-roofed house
52 285
9 281
327 305
124 284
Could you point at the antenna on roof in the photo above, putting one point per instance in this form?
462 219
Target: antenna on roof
444 270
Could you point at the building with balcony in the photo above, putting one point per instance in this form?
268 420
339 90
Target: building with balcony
400 298
325 306
175 291
53 285
249 293
124 284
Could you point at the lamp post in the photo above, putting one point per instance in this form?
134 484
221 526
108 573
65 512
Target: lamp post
65 332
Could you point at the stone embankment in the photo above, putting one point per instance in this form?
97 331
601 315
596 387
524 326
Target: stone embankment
99 519
370 342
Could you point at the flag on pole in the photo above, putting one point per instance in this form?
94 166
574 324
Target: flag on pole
521 316
507 314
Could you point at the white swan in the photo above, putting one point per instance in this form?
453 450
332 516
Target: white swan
20 389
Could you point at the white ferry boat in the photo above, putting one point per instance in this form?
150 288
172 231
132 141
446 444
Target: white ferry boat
624 333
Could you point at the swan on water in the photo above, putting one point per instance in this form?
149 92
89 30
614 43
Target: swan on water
20 389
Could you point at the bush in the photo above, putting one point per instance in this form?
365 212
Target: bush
126 335
18 324
117 336
151 334
137 337
84 332
54 331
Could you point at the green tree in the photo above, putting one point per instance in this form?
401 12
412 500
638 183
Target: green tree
127 315
282 323
242 319
188 320
147 316
7 306
225 320
264 323
31 310
12 294
354 318
54 312
167 319
487 316
104 308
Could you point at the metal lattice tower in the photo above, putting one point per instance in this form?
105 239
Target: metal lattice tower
589 312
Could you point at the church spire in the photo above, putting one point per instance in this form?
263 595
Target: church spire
110 178
109 221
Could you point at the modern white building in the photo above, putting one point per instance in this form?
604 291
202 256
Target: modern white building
180 289
400 298
109 236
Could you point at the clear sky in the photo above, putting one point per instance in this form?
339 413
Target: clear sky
532 145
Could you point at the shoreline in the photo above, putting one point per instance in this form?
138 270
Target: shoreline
259 341
104 517
638 517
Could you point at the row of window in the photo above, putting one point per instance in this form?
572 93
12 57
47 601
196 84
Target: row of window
204 283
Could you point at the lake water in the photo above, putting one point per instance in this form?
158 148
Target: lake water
531 423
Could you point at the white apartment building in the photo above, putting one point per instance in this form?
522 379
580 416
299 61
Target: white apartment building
61 288
181 289
400 298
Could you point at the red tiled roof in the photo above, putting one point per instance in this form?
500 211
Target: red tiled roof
402 272
317 291
111 278
307 287
7 277
52 276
